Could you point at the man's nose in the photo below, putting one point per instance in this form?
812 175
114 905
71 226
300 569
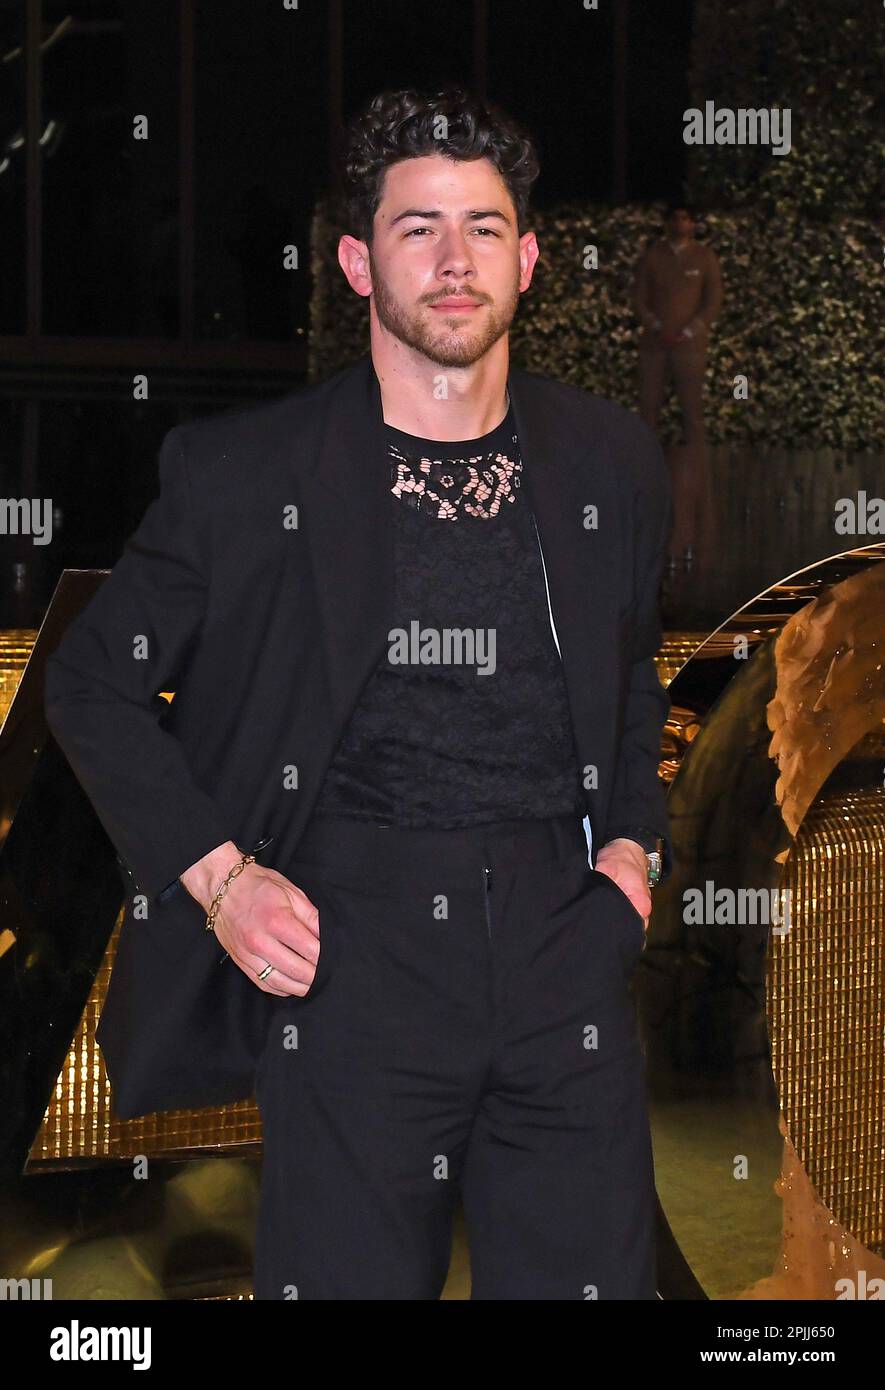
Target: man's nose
455 258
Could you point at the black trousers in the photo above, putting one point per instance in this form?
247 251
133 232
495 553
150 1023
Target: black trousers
469 1030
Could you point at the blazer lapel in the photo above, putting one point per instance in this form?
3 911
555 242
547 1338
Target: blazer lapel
564 472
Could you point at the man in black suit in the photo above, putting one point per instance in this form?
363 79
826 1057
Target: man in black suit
409 616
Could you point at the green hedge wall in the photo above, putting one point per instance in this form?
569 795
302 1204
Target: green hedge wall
802 318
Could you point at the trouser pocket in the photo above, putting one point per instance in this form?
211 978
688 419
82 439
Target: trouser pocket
627 922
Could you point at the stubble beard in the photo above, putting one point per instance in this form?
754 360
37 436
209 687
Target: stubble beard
452 344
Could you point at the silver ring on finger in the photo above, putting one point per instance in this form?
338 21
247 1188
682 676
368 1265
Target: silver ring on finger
263 974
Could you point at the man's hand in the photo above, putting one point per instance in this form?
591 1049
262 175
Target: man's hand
671 339
263 919
625 863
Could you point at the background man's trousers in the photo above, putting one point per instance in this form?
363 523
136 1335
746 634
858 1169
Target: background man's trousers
694 516
687 367
469 1029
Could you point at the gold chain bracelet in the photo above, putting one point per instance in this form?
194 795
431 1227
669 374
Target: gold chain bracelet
216 901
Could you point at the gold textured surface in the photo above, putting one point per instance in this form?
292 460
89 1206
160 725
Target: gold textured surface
826 1008
16 645
676 649
78 1123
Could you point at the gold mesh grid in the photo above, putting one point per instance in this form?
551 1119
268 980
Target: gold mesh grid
826 1008
16 645
675 650
78 1123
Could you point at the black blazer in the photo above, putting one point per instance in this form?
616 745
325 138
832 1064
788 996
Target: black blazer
257 587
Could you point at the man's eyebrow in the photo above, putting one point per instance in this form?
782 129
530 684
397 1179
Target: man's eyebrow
434 214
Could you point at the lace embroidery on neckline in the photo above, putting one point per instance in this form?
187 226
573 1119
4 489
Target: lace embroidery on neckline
446 488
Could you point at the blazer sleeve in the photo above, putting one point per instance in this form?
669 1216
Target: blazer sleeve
638 796
103 682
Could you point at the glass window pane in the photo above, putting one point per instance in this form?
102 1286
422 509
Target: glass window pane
12 166
260 162
110 200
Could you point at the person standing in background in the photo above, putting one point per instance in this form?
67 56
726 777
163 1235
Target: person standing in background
677 294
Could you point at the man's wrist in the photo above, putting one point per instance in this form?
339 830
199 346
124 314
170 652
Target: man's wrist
649 844
203 878
624 840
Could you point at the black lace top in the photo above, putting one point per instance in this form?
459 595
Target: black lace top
465 719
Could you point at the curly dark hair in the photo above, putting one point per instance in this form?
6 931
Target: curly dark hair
405 124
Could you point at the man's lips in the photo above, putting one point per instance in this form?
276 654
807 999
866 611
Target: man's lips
456 306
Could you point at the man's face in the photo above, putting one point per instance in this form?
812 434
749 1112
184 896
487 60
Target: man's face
447 264
680 223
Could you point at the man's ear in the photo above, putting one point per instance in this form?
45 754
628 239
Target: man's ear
529 251
353 258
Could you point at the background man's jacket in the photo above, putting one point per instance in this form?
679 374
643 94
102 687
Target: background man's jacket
258 588
676 290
